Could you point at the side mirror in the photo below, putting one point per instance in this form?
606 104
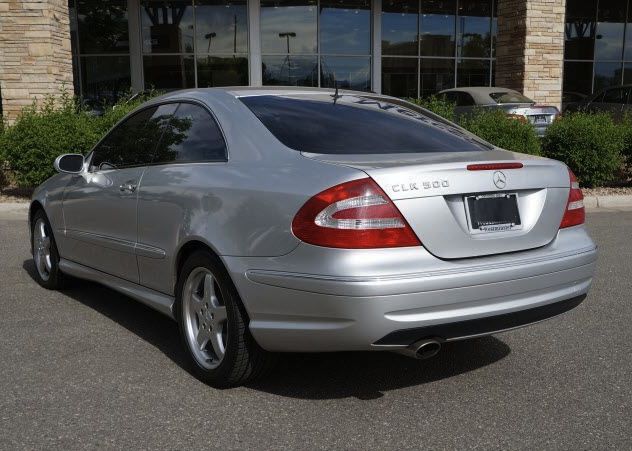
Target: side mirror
70 163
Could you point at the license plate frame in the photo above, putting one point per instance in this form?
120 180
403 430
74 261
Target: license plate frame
493 213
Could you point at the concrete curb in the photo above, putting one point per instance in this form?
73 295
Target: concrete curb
613 201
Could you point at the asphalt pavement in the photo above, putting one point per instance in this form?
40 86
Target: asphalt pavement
90 368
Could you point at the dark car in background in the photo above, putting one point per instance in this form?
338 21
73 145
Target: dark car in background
615 100
467 100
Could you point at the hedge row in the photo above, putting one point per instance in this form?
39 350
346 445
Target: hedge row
593 146
59 125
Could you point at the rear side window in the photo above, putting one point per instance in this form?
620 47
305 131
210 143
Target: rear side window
191 134
356 125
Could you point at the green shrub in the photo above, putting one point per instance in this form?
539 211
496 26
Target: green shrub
41 134
60 125
590 144
437 105
495 127
626 128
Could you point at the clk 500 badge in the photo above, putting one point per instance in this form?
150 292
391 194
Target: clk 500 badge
415 186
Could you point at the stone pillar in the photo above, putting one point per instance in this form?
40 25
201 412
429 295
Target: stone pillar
35 54
530 48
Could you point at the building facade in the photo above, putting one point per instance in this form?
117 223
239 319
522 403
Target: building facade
102 49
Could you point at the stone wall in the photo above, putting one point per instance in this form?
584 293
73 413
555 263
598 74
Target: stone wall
530 48
35 54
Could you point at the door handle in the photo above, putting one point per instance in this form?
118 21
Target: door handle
128 186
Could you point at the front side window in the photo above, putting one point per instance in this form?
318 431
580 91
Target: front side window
133 142
190 135
356 125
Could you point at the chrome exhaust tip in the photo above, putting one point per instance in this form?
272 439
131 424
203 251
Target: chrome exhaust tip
422 349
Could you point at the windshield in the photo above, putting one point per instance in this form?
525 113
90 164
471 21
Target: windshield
509 97
356 125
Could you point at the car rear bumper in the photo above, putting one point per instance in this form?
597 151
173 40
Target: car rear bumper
317 299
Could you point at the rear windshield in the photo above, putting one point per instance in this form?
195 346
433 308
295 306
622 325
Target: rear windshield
509 97
356 125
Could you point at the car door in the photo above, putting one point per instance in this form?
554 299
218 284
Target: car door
100 205
177 194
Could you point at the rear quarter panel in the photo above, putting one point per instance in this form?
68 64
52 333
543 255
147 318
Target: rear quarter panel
242 207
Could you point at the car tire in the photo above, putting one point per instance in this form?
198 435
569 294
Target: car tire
45 253
213 325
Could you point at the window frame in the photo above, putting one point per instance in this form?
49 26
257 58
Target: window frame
142 108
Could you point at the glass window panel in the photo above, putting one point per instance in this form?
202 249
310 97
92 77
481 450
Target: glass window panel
472 73
290 70
104 78
167 26
190 135
474 28
346 72
607 74
578 77
356 125
435 75
222 71
610 30
399 77
627 73
74 33
169 72
221 26
345 27
494 27
628 36
103 26
399 27
579 30
289 26
131 143
436 27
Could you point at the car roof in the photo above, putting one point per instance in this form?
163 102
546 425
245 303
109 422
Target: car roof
480 93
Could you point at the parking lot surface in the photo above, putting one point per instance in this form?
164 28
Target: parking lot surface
90 368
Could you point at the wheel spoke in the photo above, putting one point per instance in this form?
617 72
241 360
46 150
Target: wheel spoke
42 229
218 344
203 336
209 289
219 314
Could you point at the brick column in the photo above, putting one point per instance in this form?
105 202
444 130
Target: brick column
530 48
35 54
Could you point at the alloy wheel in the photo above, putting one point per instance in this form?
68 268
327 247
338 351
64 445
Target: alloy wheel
205 318
42 249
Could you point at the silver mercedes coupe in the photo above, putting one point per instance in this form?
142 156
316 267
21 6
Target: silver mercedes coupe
269 220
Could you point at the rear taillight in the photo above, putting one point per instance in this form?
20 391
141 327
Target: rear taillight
575 213
353 215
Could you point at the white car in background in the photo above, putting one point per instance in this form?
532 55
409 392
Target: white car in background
467 100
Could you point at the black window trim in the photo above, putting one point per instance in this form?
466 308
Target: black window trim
142 108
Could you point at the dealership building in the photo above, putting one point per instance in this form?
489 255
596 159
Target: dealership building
102 49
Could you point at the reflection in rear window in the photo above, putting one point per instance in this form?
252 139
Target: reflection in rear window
356 125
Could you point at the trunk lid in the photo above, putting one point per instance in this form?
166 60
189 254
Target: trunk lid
432 190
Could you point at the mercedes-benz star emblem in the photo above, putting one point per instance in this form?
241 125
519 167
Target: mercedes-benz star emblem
500 179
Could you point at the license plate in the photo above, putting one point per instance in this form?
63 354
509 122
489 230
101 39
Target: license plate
539 120
493 212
